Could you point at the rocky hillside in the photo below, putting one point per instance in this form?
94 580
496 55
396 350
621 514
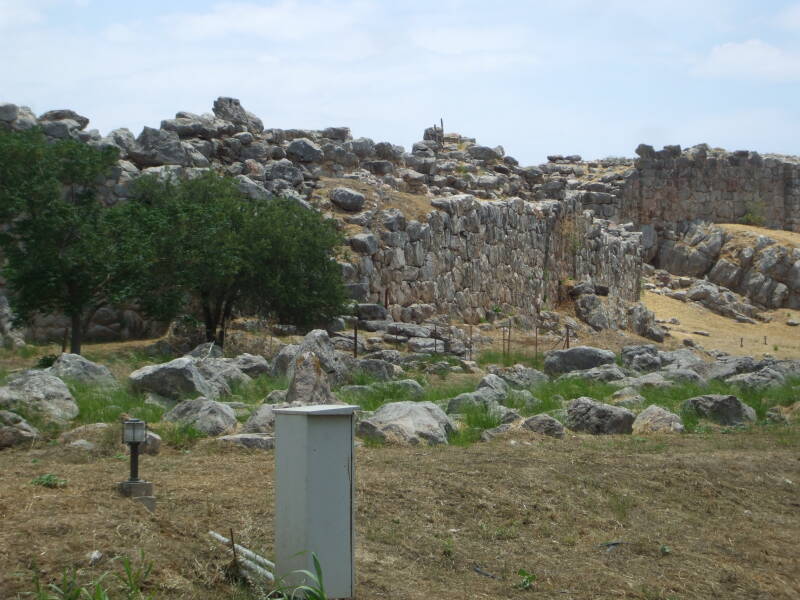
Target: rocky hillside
456 229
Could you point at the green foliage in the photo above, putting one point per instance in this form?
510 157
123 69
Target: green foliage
203 242
477 418
56 236
255 391
314 589
46 361
134 576
528 580
179 435
100 404
49 480
495 357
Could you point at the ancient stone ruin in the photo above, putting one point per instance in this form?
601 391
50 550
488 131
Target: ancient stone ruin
462 231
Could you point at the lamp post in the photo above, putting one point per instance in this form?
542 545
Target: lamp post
134 432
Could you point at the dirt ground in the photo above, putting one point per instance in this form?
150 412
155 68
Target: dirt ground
697 516
726 334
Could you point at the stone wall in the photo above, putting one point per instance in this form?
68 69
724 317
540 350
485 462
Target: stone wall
672 186
471 256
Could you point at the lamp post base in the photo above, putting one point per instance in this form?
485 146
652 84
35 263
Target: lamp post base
141 491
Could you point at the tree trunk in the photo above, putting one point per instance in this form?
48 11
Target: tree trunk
223 324
77 335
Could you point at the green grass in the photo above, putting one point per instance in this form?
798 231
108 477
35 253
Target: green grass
359 377
178 435
98 404
550 393
382 393
495 357
477 419
256 390
49 480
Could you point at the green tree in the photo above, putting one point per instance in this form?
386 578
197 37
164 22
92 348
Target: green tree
53 229
209 247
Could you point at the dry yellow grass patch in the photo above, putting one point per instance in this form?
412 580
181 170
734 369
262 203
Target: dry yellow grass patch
696 516
727 333
749 232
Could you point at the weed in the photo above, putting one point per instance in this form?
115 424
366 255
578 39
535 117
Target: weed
495 357
46 361
135 576
359 377
254 392
179 435
477 418
528 579
103 404
620 505
313 589
49 480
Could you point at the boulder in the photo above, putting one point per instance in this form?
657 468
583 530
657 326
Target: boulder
655 419
520 376
65 114
347 199
761 379
230 109
207 350
309 383
304 150
641 358
156 147
604 373
589 416
628 397
493 387
591 310
364 243
544 424
372 312
283 360
262 420
318 342
578 358
207 416
74 367
222 373
175 379
408 423
15 431
722 409
251 364
251 441
656 380
39 393
379 369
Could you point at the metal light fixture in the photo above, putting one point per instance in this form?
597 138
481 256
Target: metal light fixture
134 432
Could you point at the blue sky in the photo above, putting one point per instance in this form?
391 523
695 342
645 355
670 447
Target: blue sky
539 77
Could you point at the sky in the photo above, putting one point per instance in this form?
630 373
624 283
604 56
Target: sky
586 77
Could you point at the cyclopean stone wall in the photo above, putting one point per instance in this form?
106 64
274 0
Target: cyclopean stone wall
471 256
672 186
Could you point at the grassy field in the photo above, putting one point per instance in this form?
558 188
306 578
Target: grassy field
694 516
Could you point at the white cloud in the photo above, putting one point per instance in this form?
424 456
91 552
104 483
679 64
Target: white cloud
14 13
285 20
789 18
750 60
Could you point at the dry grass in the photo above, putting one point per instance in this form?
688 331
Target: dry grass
727 333
749 232
726 506
413 206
